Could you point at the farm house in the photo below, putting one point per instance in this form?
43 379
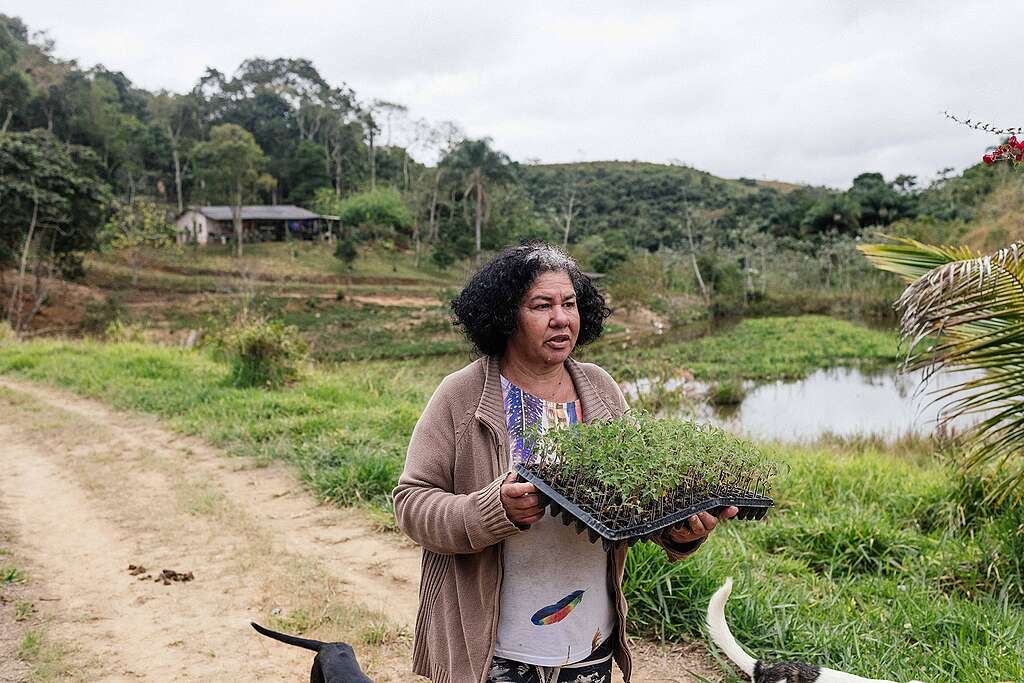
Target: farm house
212 224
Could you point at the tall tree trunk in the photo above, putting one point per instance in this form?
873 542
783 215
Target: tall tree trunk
693 260
136 259
236 218
177 170
338 170
479 191
432 231
568 219
405 169
373 163
41 288
7 120
14 306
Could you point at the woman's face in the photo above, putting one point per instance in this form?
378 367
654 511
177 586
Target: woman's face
548 321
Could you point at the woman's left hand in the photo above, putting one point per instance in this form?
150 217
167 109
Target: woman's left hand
699 526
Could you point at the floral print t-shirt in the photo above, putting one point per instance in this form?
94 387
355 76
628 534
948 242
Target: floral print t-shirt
555 606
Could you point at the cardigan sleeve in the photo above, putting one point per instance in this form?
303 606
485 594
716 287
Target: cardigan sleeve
425 507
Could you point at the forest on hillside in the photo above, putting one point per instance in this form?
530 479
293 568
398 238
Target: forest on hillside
79 144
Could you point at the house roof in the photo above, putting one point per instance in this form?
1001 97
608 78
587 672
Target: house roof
283 212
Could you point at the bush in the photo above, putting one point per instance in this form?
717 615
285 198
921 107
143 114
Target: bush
262 352
637 280
97 316
378 214
345 251
612 251
7 333
443 257
729 392
119 331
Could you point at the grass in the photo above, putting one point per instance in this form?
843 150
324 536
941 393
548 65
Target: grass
863 543
11 575
762 349
345 429
890 582
48 659
298 261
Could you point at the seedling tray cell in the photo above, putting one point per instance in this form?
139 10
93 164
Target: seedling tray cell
618 527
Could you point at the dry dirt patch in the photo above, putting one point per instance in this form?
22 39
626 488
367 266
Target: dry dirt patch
89 491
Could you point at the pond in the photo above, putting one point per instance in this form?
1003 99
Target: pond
839 401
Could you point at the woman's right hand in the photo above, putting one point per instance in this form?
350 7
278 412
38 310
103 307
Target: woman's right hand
520 500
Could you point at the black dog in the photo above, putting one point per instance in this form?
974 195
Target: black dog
334 662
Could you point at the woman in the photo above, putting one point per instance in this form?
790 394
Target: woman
492 561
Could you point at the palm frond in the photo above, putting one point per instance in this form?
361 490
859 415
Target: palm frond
965 311
911 259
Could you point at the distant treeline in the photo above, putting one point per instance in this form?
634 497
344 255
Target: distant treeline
319 142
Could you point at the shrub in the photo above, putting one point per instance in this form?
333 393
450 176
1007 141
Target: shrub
262 352
728 392
119 331
637 280
97 316
611 252
345 251
443 256
7 333
378 213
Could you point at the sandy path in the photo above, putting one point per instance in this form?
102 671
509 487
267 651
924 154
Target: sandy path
88 491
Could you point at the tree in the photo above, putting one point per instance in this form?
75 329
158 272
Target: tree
369 123
307 172
15 87
230 163
965 311
833 212
179 115
442 138
478 164
378 214
53 201
135 226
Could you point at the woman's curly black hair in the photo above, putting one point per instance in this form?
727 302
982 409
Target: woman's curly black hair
488 306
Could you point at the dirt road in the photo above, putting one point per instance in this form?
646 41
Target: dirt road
87 491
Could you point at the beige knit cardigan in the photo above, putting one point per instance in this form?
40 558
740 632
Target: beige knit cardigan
447 500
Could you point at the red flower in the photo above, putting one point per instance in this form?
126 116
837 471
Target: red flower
987 159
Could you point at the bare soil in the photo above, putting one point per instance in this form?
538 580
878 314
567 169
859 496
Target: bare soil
88 492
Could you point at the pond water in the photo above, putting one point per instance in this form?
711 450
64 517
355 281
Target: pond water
840 401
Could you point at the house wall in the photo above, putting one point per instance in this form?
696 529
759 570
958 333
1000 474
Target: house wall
193 226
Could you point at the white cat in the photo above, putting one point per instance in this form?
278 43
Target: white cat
783 672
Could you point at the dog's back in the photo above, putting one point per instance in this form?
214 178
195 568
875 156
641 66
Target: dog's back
334 662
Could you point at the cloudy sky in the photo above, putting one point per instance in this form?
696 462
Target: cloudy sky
805 90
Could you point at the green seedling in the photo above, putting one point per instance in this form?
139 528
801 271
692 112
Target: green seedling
637 463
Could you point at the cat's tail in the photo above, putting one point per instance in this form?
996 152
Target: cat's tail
720 633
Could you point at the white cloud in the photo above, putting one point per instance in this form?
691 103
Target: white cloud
806 90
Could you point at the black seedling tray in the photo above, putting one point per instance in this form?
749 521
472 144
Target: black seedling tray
613 531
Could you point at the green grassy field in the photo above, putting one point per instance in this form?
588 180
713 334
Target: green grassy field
874 562
298 261
761 349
